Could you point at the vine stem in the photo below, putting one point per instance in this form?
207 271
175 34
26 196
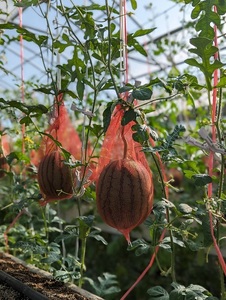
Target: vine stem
83 255
43 209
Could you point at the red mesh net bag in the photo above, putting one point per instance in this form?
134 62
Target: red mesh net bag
124 186
4 151
56 179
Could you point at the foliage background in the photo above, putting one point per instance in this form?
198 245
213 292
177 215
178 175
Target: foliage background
80 55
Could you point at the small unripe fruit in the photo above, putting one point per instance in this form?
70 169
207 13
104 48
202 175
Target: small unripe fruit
55 178
124 194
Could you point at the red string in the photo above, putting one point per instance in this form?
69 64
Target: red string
22 71
146 269
211 156
163 172
125 40
123 36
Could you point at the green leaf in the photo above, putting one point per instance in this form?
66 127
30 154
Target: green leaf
80 89
142 93
26 120
106 285
194 246
126 88
129 115
141 135
140 49
27 3
222 81
19 156
97 130
185 208
167 240
107 114
95 234
133 4
142 32
158 293
140 247
201 179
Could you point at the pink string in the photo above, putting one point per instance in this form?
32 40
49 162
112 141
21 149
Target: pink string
20 9
211 156
146 269
123 36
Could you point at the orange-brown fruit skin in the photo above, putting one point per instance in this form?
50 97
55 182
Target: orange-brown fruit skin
4 167
54 177
124 194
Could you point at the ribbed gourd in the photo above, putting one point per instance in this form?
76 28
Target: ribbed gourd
55 177
124 194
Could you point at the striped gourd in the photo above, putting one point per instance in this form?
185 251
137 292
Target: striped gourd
54 177
124 194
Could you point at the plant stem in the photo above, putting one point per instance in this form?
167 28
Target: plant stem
83 254
43 209
173 273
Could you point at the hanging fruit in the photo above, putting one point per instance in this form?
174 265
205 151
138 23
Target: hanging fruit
55 178
61 130
124 194
5 150
124 186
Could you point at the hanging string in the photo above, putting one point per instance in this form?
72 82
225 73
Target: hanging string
20 11
123 44
211 155
146 269
124 73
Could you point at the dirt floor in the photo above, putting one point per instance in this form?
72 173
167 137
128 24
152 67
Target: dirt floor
54 290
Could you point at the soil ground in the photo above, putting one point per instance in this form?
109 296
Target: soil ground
51 288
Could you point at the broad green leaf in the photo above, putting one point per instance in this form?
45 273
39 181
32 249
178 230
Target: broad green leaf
185 208
140 247
106 285
26 120
95 234
142 93
158 293
194 246
167 240
201 179
126 88
141 135
129 115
